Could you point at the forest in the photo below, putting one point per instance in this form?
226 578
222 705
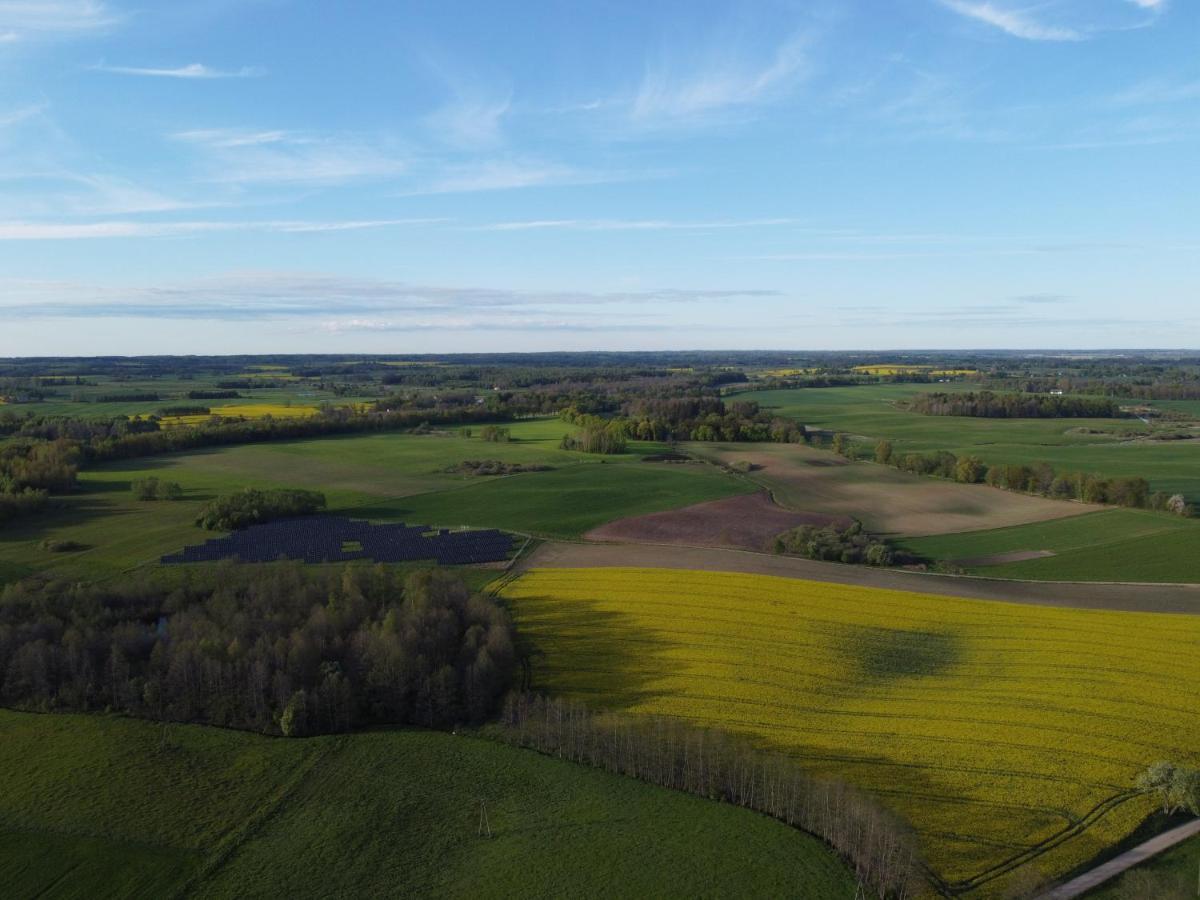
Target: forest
277 649
1014 406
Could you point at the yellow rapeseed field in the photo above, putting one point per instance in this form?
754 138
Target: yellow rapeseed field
1009 735
245 410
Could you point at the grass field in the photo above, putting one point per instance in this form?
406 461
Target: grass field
380 476
869 411
1008 735
1179 867
1113 545
93 806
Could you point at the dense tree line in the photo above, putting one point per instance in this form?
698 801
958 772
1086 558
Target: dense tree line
1036 478
219 394
689 417
275 649
30 471
484 467
251 506
986 404
667 752
846 545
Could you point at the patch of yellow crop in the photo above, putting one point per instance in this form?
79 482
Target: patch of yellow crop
997 729
786 373
244 411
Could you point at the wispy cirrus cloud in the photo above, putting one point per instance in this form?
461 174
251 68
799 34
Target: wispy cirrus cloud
508 174
197 71
33 19
670 92
73 231
633 225
267 296
1013 21
236 156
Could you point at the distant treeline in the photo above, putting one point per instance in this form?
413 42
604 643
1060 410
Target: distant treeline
274 649
986 404
1036 478
212 395
689 418
185 411
1156 386
877 844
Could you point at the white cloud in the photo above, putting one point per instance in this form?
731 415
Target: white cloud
632 225
470 122
255 156
67 231
499 175
713 85
192 71
1155 5
375 302
1011 21
1158 91
52 18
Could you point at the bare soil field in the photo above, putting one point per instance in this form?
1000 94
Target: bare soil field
1169 598
748 522
886 500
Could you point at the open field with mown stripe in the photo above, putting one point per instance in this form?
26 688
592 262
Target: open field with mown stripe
1111 545
1009 735
393 476
886 500
1074 445
93 806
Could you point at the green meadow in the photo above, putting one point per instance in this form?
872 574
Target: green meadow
377 476
93 805
1111 545
1078 445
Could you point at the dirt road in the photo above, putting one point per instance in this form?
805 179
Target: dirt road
1130 597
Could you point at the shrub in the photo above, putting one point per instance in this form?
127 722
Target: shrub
154 489
54 546
495 434
833 544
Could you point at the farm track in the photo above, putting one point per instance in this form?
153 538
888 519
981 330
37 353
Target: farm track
1167 598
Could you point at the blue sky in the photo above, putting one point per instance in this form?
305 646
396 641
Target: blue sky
234 176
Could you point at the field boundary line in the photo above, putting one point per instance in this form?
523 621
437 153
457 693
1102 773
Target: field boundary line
1093 878
894 570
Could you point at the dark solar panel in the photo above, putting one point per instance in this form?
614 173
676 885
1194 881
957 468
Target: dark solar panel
317 539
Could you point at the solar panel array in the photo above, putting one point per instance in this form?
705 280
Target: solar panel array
317 539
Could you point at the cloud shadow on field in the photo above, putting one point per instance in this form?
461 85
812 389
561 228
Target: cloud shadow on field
882 655
598 655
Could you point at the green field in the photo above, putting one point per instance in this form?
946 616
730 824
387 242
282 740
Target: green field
869 411
1113 545
378 476
94 806
1177 870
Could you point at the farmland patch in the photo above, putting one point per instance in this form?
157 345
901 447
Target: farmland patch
886 500
1006 734
748 522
